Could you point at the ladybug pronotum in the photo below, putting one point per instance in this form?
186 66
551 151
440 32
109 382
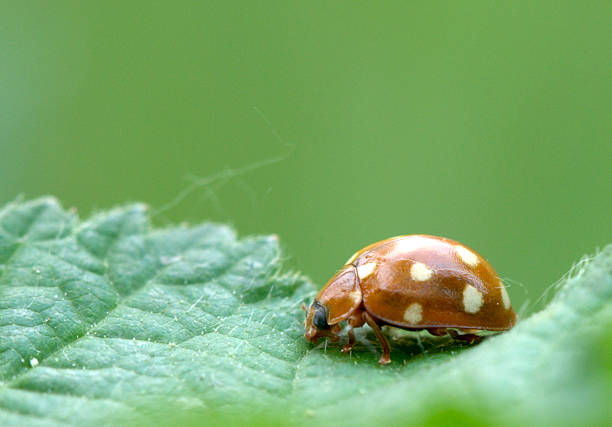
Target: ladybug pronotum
412 282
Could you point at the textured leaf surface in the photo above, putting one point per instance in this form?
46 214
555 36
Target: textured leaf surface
104 319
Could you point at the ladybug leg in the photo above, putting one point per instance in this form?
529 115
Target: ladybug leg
355 321
438 332
469 338
385 358
348 347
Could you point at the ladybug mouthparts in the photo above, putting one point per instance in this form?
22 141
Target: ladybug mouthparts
313 334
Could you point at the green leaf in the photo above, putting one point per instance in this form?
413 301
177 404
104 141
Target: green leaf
112 321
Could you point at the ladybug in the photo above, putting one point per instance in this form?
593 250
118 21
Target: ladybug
412 282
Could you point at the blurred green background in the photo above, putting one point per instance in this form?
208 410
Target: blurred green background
332 124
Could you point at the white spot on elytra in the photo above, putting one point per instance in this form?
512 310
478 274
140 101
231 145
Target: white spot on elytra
505 296
467 256
33 362
356 297
472 299
420 272
366 269
414 313
409 244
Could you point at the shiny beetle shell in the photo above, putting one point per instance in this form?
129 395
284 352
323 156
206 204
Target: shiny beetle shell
413 282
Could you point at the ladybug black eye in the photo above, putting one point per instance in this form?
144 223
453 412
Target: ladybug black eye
320 316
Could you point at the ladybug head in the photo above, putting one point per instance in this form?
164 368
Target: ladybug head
316 323
338 299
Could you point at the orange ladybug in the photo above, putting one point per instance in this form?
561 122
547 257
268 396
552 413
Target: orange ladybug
412 282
